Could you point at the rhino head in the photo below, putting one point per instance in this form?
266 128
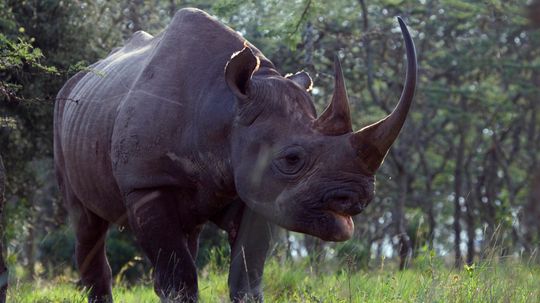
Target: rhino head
306 173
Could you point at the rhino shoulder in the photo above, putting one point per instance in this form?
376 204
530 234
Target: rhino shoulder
192 21
191 14
137 40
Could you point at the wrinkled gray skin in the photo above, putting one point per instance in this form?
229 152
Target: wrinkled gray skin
171 132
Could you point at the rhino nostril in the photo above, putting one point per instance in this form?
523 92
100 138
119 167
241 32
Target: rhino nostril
345 202
343 199
357 208
339 196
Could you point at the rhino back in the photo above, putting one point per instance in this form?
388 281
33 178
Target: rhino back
156 112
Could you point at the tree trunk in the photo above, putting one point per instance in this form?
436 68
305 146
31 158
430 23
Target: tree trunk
531 212
134 15
172 8
534 13
530 217
490 195
469 202
29 247
309 47
431 215
404 241
3 268
458 193
315 249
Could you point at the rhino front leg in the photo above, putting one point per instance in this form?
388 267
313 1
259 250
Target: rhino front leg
248 254
157 225
250 235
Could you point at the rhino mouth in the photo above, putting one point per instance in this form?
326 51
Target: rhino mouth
339 208
328 215
343 226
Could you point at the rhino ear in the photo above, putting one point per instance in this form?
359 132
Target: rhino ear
238 71
303 79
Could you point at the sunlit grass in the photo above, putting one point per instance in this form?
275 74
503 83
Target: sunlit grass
510 281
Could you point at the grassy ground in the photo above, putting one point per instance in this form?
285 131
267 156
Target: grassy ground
503 282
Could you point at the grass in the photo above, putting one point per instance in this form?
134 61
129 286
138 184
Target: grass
509 281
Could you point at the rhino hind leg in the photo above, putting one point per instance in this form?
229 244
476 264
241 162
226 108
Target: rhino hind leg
250 236
94 268
155 221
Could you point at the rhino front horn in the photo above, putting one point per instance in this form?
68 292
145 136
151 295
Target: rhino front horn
336 118
373 142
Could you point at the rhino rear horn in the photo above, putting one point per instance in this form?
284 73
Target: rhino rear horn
373 141
336 118
238 71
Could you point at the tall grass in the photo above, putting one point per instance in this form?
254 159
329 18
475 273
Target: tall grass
427 281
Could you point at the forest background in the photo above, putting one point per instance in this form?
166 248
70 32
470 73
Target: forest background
461 184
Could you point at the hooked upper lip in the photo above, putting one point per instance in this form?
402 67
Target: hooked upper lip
344 202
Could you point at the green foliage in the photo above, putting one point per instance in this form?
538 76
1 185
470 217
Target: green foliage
55 260
353 255
213 247
127 263
294 282
14 55
479 80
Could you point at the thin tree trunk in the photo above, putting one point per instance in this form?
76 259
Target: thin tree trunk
428 199
172 8
470 234
315 249
379 251
431 215
369 57
432 226
309 47
3 268
531 213
530 216
458 192
399 216
491 194
534 13
30 245
135 15
288 252
469 202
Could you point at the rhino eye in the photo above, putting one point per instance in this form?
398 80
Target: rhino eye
290 161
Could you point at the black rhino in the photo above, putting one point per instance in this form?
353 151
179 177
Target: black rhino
197 125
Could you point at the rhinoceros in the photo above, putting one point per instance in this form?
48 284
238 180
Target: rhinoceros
196 125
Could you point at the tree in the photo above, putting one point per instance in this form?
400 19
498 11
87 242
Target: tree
3 268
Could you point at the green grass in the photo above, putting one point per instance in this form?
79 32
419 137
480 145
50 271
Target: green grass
504 282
